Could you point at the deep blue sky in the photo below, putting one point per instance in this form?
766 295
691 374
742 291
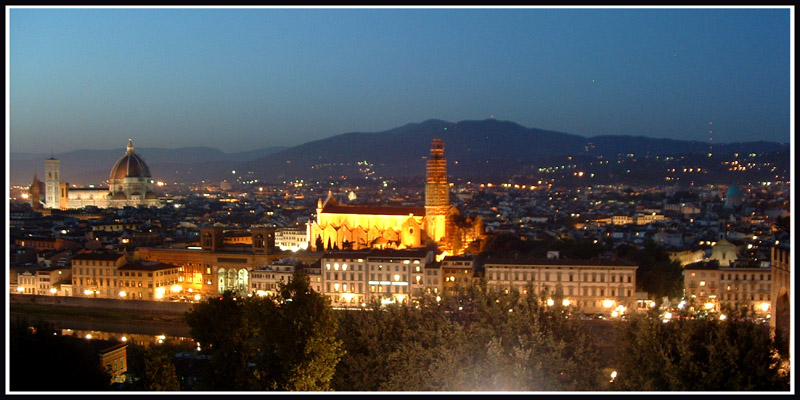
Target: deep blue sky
240 79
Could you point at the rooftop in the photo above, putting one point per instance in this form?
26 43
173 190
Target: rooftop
106 256
374 210
562 262
146 266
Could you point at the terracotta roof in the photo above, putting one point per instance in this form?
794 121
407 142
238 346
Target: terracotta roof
374 253
374 210
106 346
145 266
399 253
564 262
702 265
459 258
130 165
98 256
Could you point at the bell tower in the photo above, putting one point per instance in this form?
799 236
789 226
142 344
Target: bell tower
437 192
52 179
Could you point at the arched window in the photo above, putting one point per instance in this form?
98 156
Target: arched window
221 282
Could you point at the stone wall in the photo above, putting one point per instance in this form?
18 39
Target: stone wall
112 304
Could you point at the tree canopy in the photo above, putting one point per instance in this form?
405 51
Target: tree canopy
700 354
282 342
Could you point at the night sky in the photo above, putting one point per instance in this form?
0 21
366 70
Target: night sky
240 79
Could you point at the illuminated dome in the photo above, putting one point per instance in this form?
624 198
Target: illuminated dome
130 166
119 196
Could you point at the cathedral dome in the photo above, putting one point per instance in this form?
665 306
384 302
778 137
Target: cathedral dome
130 166
119 196
733 191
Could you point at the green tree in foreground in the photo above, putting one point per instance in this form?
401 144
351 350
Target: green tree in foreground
481 341
226 335
160 372
154 368
281 342
697 355
296 334
657 273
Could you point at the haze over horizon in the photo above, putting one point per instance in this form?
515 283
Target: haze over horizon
243 79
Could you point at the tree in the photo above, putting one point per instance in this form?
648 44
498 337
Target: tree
296 334
43 360
657 273
282 342
155 367
318 245
425 346
160 372
696 355
226 335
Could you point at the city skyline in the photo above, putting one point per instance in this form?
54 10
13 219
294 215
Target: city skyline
246 78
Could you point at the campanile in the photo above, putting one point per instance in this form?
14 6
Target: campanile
437 192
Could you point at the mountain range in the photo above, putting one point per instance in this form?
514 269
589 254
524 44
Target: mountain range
472 148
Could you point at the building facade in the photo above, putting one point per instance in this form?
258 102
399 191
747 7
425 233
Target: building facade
215 267
592 286
355 227
52 168
353 279
129 184
148 280
746 288
54 281
95 274
26 282
701 284
458 273
716 288
781 292
266 280
292 239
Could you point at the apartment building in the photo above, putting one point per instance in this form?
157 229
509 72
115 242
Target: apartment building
718 288
95 274
148 280
458 273
593 286
389 276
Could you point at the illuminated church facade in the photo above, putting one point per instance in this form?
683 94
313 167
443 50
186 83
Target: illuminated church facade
354 227
130 184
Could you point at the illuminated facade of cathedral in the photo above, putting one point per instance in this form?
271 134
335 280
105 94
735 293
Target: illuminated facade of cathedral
356 227
130 184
